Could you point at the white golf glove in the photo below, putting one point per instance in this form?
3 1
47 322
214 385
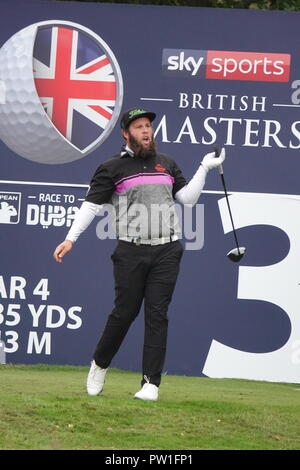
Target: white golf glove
210 161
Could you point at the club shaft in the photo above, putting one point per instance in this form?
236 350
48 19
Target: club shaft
230 213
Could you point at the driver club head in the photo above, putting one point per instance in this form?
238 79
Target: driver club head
236 254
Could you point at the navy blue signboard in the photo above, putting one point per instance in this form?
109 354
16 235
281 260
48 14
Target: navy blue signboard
214 77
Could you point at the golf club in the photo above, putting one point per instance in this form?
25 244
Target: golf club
237 253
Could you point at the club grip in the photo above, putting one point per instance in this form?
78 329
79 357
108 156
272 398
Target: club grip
217 153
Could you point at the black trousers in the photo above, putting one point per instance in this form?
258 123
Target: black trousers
141 272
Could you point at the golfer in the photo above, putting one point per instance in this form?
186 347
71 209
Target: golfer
147 256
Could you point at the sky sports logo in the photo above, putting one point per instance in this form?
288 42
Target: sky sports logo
227 65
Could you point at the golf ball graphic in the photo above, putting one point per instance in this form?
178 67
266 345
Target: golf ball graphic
61 92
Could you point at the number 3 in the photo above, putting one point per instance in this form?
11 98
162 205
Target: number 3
277 283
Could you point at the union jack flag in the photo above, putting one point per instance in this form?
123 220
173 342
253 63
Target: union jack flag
76 83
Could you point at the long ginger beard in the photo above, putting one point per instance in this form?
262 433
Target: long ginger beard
139 150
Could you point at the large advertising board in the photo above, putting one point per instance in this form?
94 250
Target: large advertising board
214 77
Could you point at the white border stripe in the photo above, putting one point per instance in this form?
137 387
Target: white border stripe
156 99
287 105
249 193
76 185
40 183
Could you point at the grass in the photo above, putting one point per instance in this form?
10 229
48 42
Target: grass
46 407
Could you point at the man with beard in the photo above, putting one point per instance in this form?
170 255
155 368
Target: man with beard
137 182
